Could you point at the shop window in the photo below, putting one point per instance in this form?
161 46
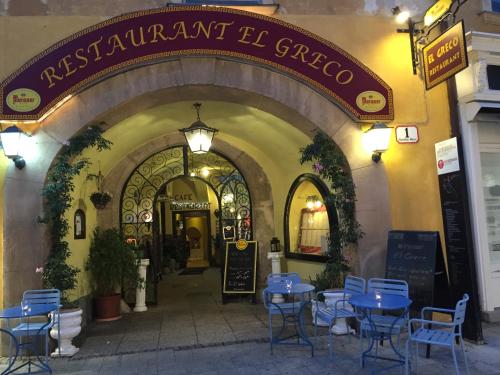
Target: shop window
493 73
490 166
495 5
309 220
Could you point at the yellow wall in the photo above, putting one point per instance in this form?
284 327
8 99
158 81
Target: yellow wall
410 168
3 169
80 248
413 182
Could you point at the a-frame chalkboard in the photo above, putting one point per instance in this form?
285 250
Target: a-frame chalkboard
416 256
240 268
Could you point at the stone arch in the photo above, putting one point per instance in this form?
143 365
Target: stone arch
172 81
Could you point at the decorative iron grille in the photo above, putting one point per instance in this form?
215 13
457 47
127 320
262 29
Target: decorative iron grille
145 182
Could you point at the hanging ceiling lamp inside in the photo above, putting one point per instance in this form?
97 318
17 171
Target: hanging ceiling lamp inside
199 136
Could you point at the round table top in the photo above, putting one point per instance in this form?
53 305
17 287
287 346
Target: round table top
34 310
385 302
300 288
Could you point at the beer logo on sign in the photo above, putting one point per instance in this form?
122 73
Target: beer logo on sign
241 244
370 101
23 100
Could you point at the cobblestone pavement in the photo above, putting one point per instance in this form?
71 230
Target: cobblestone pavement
192 332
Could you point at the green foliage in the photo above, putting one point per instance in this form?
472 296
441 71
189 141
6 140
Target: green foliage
332 276
111 262
331 165
57 200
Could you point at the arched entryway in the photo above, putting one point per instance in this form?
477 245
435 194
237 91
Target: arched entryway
119 97
178 205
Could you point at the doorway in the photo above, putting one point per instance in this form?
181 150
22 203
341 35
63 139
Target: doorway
181 201
195 228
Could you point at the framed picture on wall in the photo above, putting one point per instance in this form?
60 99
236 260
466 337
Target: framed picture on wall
79 224
229 232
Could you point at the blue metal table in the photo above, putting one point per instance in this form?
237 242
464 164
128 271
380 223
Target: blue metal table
25 313
293 313
365 304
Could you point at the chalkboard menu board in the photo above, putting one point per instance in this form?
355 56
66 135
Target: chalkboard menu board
240 267
459 247
416 257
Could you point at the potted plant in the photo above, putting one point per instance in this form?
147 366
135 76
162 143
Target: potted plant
329 162
100 198
112 263
330 281
57 273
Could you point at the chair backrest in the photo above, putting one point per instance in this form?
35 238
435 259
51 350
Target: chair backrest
42 297
388 286
354 285
279 278
459 315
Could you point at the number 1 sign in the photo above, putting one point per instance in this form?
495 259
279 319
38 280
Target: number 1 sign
406 134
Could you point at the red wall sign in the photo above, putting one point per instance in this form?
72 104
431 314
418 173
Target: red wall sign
139 38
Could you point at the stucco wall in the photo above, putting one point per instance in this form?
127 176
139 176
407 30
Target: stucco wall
402 189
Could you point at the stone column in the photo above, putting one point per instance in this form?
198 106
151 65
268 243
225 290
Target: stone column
140 292
276 268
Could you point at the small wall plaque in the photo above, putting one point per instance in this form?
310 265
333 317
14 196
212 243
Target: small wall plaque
406 134
79 224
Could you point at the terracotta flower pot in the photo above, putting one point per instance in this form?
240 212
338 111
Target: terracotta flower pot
107 308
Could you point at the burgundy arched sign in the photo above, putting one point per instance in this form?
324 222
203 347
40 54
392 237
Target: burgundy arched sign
146 37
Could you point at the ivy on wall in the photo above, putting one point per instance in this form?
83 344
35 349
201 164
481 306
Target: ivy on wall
331 165
57 200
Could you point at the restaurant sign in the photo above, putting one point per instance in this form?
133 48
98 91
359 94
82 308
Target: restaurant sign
189 205
445 56
436 11
153 36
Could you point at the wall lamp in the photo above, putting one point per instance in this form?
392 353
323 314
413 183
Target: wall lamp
403 16
199 136
13 139
376 140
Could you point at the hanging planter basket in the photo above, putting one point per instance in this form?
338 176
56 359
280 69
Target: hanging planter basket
100 200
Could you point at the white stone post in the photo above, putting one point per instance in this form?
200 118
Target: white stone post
140 292
276 268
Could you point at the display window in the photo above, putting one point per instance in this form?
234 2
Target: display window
310 220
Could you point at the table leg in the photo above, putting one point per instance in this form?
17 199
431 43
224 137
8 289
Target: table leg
9 369
374 336
297 319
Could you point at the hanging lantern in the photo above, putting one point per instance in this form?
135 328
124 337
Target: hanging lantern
275 245
199 136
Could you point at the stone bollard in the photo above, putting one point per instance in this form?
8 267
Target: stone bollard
140 292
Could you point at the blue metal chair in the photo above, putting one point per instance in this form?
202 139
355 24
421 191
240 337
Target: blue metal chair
352 285
385 325
279 308
40 297
445 336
